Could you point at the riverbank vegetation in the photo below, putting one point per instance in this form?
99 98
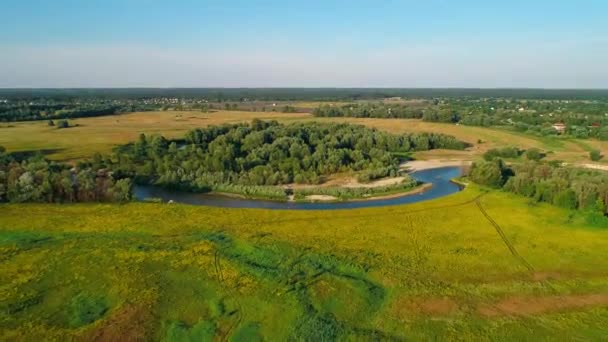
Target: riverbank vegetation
351 193
550 182
266 153
246 159
35 179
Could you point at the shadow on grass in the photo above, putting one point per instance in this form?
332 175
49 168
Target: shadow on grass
21 155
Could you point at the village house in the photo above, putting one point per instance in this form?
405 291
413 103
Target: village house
560 127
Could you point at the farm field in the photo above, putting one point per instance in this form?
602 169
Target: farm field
176 272
101 134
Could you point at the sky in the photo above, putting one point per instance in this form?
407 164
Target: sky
308 43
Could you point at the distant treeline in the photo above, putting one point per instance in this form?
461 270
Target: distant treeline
549 182
304 94
25 111
38 180
268 153
369 110
581 119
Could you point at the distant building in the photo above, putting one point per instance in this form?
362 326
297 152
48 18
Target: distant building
560 127
394 98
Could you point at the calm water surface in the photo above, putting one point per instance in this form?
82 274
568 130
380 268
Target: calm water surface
439 177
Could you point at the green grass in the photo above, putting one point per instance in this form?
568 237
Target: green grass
433 270
103 133
86 309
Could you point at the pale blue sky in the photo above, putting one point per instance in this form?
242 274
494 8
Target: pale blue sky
129 43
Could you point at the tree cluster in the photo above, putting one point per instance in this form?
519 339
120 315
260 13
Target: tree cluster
504 152
28 111
38 180
268 153
548 182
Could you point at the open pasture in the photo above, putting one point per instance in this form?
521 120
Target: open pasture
101 134
438 269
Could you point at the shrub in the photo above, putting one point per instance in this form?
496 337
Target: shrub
596 219
534 154
63 124
252 191
565 199
595 155
488 173
505 152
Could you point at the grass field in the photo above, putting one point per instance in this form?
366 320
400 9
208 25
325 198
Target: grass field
423 272
101 134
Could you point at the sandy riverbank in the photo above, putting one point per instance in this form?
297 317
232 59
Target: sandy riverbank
327 198
418 165
349 182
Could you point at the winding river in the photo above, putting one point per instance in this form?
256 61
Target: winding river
438 177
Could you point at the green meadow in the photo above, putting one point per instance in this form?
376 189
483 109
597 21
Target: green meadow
476 265
104 133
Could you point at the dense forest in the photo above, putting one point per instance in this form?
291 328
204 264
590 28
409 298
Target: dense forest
38 180
269 153
549 182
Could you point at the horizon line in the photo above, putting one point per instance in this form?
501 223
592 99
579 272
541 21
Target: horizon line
302 87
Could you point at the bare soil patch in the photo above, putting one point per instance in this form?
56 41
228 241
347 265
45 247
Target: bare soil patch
542 276
126 324
524 306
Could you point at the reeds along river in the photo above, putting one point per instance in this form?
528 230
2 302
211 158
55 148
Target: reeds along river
440 178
